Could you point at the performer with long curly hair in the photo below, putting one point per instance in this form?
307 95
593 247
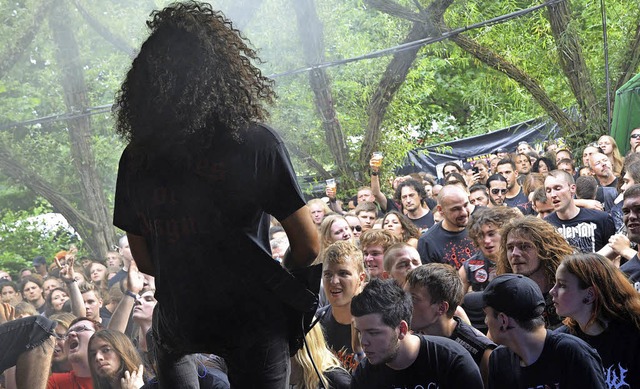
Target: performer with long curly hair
196 185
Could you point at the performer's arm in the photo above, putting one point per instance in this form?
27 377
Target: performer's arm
303 239
140 253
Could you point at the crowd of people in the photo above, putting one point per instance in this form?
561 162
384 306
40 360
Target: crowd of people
534 214
519 271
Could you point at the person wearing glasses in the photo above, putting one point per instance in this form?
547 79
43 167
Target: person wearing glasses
76 347
515 195
497 186
634 139
354 223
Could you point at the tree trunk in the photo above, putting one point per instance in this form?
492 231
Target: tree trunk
75 94
397 70
574 66
311 35
16 170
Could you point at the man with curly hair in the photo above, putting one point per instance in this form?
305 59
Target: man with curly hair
196 185
534 248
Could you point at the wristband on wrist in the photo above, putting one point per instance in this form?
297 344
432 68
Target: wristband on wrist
131 294
374 173
71 282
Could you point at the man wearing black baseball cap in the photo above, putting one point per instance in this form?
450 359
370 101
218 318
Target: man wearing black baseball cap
530 356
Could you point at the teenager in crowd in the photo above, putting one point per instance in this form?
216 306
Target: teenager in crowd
437 291
343 276
399 225
114 361
532 356
602 308
397 358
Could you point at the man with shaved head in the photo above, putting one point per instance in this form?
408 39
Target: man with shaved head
448 241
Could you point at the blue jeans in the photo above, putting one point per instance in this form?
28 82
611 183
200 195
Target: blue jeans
21 335
255 360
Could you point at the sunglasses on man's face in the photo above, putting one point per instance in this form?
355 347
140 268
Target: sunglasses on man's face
496 191
356 228
635 136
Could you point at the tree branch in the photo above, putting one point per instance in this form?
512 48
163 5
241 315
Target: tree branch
573 64
15 48
14 169
397 70
394 9
632 59
311 162
496 62
311 35
104 31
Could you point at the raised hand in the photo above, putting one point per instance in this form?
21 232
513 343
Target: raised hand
132 380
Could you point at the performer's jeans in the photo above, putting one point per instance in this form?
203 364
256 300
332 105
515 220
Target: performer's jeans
21 335
254 361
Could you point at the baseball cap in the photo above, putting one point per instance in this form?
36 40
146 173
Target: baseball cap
39 260
501 150
516 295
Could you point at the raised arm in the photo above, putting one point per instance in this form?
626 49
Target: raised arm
381 199
67 275
120 316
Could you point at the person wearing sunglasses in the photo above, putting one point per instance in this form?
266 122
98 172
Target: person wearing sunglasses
354 223
634 138
76 347
497 186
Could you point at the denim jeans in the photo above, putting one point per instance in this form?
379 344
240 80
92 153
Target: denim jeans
255 360
21 335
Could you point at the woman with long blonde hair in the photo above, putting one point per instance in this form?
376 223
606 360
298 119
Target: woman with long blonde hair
609 147
330 374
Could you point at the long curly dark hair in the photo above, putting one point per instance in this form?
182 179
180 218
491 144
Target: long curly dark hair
192 76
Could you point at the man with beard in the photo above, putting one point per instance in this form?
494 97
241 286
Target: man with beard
448 240
396 358
76 347
533 248
585 229
412 196
523 163
515 195
603 170
497 186
478 195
